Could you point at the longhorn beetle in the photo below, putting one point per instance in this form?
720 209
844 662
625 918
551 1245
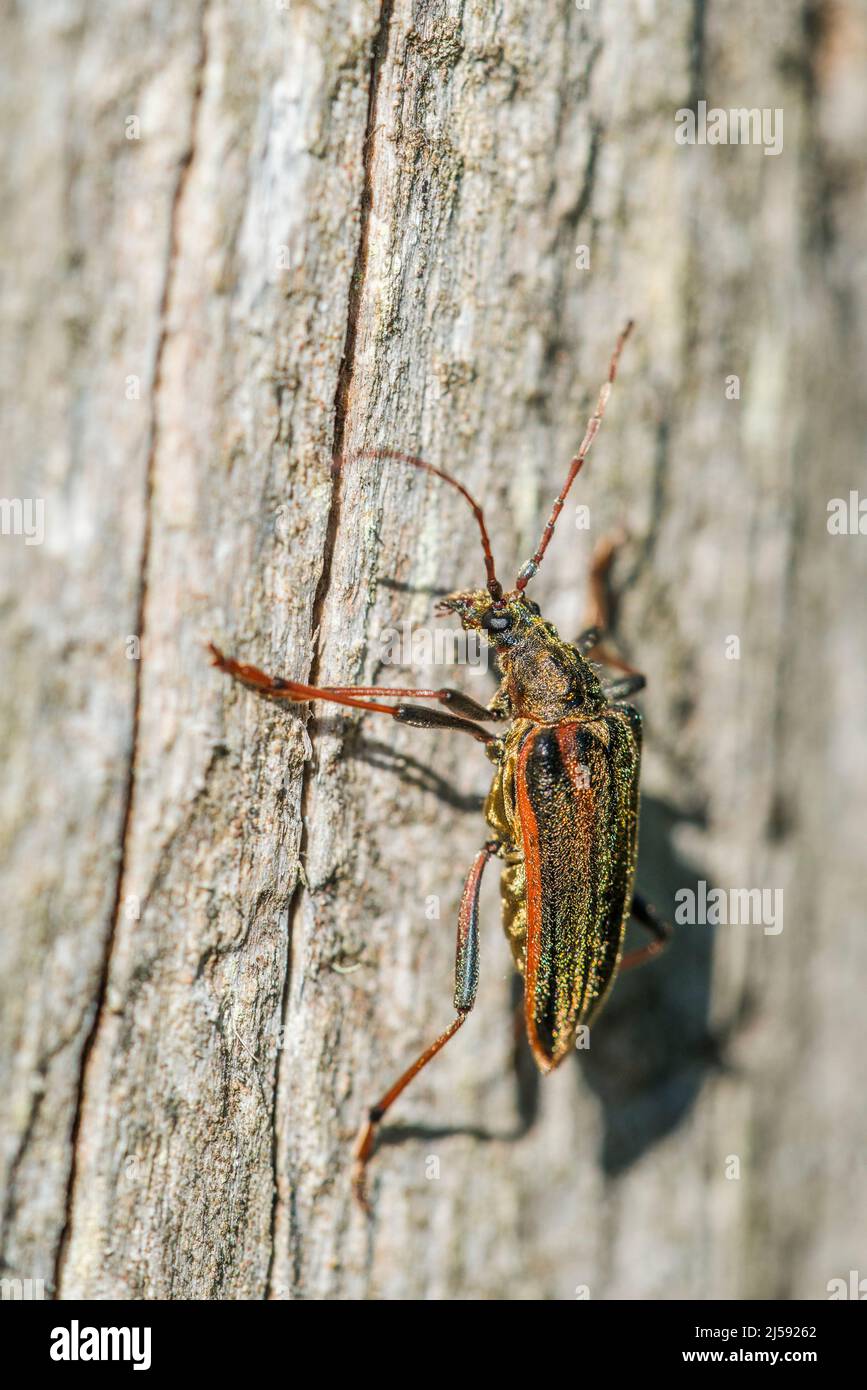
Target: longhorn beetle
562 808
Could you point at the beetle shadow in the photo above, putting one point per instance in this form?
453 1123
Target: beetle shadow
392 1135
400 586
412 772
652 1048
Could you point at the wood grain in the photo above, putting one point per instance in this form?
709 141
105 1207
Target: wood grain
226 926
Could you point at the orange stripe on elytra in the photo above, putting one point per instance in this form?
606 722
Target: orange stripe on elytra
565 735
533 870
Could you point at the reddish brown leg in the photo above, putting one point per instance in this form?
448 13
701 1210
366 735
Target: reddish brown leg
590 641
646 915
600 565
466 982
462 704
276 688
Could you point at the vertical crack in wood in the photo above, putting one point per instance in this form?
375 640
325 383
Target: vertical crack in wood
185 165
346 371
10 1204
345 376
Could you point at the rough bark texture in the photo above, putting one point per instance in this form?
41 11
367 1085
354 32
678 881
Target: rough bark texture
347 227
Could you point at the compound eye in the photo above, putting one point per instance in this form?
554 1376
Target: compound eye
533 607
497 621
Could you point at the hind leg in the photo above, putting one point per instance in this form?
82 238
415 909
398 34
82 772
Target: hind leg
466 982
662 933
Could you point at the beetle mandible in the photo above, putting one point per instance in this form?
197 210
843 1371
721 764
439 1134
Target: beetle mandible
562 808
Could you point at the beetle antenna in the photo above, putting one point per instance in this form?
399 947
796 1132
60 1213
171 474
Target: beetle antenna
529 569
495 588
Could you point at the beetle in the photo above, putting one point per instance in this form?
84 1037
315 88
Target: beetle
563 805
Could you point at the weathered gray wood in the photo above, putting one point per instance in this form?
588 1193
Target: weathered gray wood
346 227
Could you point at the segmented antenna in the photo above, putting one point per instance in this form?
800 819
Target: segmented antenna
495 588
527 571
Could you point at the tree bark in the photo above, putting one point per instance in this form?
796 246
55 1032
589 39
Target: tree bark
242 240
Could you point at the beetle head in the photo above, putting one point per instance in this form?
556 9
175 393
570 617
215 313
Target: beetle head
503 621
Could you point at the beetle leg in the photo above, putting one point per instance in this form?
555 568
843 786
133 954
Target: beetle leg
466 982
354 696
621 689
462 704
662 933
603 557
420 717
598 611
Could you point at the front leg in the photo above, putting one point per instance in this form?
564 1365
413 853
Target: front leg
420 717
590 641
621 689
